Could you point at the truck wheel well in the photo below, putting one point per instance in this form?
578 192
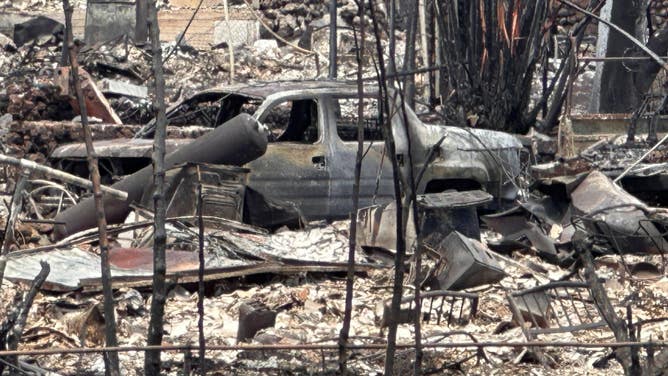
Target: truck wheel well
440 185
109 167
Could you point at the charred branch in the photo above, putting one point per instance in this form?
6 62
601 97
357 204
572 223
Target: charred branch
9 237
60 175
352 246
11 328
110 359
155 329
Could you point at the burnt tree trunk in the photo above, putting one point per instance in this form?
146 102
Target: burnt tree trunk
490 51
616 79
155 329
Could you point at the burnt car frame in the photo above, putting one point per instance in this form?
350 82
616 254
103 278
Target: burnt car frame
312 129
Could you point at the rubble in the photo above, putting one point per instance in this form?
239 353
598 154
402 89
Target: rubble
504 246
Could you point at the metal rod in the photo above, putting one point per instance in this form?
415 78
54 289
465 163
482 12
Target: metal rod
64 176
618 29
618 178
200 278
333 347
617 58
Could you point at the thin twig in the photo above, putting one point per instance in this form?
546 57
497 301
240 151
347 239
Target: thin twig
200 280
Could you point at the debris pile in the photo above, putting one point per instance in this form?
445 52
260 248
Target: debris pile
290 19
517 258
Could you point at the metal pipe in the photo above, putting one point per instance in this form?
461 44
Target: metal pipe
618 178
333 347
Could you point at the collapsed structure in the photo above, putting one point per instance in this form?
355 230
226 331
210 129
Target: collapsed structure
525 255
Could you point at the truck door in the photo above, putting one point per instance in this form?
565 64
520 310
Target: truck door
376 183
295 168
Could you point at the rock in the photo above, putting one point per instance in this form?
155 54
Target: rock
264 45
7 44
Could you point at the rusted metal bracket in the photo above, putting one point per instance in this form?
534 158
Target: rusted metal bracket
96 103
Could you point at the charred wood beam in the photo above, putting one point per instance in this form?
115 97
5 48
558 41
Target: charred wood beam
333 39
200 281
385 120
141 24
409 57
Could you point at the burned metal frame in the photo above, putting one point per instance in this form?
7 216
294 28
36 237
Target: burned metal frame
453 298
543 302
610 236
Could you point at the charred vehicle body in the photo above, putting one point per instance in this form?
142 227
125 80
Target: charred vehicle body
312 132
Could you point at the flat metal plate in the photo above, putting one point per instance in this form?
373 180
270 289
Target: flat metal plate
453 199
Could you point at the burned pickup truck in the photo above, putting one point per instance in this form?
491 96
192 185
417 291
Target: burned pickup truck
312 131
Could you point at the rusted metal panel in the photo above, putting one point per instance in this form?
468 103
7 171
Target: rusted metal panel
96 104
109 19
557 307
68 266
238 141
223 191
606 210
141 259
466 263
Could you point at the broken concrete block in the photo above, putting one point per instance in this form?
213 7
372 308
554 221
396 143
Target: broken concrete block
115 87
7 43
236 32
468 263
253 317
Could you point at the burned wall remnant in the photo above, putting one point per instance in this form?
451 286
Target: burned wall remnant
109 19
